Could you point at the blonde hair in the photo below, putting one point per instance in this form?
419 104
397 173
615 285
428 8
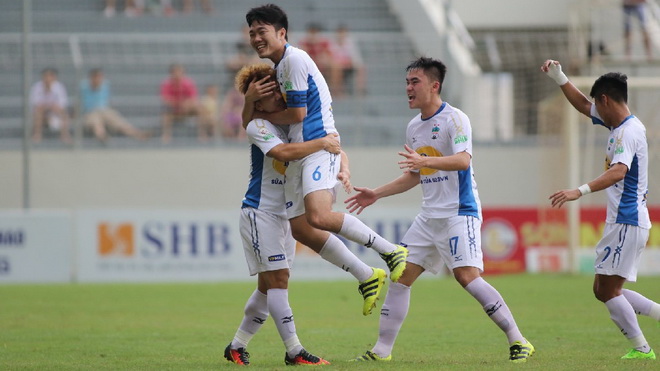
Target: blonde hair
252 72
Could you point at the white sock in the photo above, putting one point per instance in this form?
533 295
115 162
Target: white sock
256 313
338 254
394 311
280 310
353 229
494 305
623 315
642 305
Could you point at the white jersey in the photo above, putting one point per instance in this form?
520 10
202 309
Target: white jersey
303 85
266 188
626 200
445 193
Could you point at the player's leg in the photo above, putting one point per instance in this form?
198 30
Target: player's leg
642 305
460 247
319 178
618 255
333 250
423 257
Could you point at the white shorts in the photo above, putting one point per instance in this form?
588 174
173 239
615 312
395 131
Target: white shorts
454 241
315 172
267 241
619 251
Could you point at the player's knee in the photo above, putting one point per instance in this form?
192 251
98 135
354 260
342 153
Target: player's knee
318 221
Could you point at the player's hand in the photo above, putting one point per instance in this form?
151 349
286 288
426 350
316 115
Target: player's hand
260 89
344 176
413 161
561 197
331 143
553 69
360 201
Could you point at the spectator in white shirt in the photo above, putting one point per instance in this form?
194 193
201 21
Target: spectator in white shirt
49 102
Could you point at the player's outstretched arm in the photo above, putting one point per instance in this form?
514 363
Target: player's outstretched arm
295 151
607 179
367 196
415 161
578 100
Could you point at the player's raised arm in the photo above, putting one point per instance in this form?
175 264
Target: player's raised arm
578 100
295 151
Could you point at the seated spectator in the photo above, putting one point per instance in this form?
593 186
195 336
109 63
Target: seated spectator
205 4
347 62
230 114
318 48
49 102
95 97
178 95
132 8
209 105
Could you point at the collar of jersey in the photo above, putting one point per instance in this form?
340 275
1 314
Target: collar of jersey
442 106
286 47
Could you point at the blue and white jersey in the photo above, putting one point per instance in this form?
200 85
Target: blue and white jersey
626 200
303 85
445 193
266 188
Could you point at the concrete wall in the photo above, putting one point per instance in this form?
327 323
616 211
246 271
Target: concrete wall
217 178
513 13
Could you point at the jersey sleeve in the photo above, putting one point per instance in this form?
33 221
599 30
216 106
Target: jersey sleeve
595 117
460 133
296 72
263 134
625 147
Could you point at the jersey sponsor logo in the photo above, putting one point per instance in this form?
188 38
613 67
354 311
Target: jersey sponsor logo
288 85
460 139
437 179
276 181
280 166
276 258
435 131
618 145
430 152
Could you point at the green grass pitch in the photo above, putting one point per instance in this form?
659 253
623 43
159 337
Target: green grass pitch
187 326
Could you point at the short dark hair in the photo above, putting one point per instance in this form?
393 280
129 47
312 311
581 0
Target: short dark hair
433 68
95 71
612 84
50 70
269 14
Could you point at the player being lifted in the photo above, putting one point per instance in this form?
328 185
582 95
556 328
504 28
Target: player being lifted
267 241
438 154
310 186
625 182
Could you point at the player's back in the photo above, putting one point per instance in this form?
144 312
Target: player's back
266 186
303 85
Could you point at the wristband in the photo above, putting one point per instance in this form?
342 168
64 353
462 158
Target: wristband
584 189
555 73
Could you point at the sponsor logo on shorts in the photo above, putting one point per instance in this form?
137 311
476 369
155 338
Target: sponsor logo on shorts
276 258
289 204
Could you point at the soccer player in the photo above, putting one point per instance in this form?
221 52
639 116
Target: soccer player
311 181
625 182
267 241
438 155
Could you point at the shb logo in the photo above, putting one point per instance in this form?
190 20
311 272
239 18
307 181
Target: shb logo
116 239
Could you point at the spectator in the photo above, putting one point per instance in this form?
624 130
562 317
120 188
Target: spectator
178 94
209 105
636 8
95 96
205 4
230 113
244 56
318 48
49 102
132 8
347 63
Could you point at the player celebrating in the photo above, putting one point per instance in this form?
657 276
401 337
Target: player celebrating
447 230
311 181
267 241
626 183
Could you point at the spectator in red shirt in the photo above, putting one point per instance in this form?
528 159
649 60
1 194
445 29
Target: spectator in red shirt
178 94
319 48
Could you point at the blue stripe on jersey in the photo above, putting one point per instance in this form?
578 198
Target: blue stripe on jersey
627 213
313 123
253 194
597 121
467 205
